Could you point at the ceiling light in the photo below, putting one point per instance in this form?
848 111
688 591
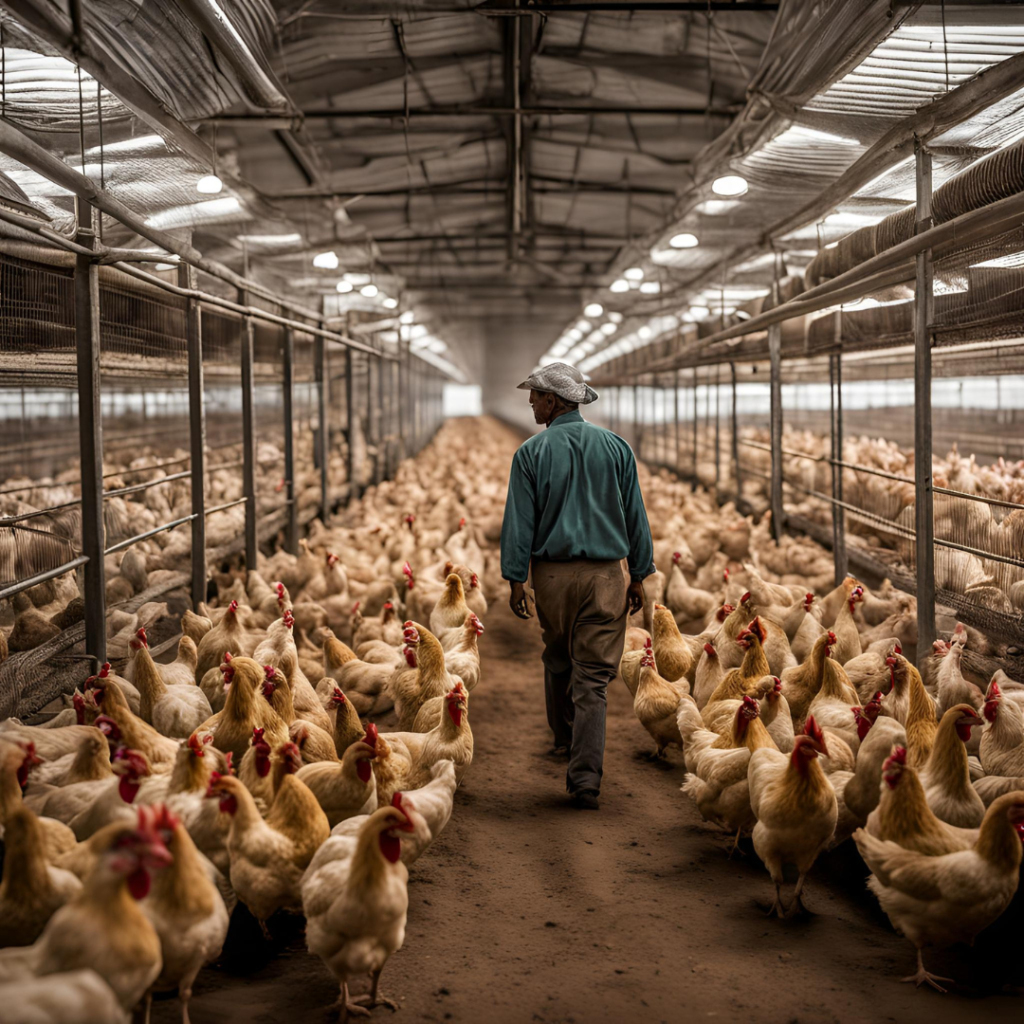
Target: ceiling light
195 213
593 309
699 312
369 290
358 279
716 207
575 334
729 185
683 241
344 287
583 326
644 334
326 260
621 285
408 317
209 184
608 329
390 303
616 318
634 274
650 287
289 239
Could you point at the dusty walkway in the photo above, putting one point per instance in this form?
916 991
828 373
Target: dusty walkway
528 911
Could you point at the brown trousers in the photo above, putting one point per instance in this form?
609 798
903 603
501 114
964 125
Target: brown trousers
582 610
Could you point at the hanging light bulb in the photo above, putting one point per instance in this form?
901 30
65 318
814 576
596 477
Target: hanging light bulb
621 285
209 184
608 329
390 303
729 185
593 309
650 287
343 287
326 260
683 241
644 333
634 274
368 290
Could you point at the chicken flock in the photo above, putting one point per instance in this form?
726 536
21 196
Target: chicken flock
804 722
255 767
249 769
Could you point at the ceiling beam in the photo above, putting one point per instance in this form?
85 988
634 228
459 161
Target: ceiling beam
670 6
497 190
474 110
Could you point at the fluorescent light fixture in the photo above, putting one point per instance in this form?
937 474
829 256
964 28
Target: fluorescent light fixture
358 280
408 317
650 287
183 216
326 260
683 241
291 239
608 329
593 309
125 145
716 207
390 303
633 274
729 185
369 291
619 286
344 287
209 184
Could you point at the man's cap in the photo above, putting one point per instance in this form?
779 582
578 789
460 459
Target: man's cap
563 380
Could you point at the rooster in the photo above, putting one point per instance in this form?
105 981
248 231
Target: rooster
940 900
355 898
796 810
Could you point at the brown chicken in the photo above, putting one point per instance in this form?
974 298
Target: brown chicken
946 775
229 634
657 702
801 684
752 678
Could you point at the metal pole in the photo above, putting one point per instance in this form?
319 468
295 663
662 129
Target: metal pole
693 481
775 355
835 366
196 432
924 522
350 424
718 427
381 432
321 438
675 414
735 436
249 444
291 538
90 432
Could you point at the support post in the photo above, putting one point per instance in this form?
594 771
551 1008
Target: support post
693 481
381 431
350 424
638 434
403 387
924 523
775 356
196 431
322 384
675 416
248 443
735 435
718 428
90 432
291 536
835 367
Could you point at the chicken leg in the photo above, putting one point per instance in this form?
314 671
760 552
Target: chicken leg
373 997
777 907
926 976
797 906
346 1005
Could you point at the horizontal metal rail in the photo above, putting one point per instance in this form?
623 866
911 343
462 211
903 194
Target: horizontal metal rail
42 577
226 505
136 488
149 533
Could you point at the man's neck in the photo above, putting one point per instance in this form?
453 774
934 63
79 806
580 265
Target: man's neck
556 414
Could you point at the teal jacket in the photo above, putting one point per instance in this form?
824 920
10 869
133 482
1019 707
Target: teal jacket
573 493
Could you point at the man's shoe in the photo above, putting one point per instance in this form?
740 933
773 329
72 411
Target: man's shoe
585 800
559 751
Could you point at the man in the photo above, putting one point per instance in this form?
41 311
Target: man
574 511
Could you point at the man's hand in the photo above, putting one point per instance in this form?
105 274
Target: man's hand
517 601
634 597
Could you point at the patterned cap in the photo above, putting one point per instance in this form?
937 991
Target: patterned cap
563 380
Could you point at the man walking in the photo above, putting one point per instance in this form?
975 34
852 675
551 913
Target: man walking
574 512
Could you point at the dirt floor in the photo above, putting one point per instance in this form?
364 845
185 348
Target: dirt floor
526 910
